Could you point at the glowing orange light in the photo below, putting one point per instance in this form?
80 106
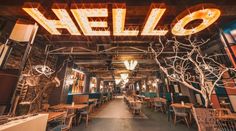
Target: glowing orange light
153 19
82 14
207 15
118 17
51 25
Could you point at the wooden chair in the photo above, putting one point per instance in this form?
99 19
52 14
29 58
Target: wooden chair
99 101
158 106
66 126
226 125
180 112
137 107
222 111
205 119
81 99
85 114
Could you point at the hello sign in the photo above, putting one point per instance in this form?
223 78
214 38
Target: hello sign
92 19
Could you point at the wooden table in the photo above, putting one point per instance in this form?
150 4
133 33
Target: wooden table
146 98
162 100
69 106
53 115
135 101
185 105
92 100
32 123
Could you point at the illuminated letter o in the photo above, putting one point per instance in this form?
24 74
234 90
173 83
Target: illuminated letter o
207 15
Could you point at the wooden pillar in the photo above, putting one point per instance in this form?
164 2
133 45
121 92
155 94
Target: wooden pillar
87 82
98 84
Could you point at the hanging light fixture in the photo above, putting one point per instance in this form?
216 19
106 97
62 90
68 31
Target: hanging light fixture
117 81
44 69
130 65
124 76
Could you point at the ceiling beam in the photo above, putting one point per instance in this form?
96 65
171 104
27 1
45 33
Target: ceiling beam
98 62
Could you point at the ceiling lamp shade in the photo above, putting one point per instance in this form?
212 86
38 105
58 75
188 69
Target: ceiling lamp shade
130 65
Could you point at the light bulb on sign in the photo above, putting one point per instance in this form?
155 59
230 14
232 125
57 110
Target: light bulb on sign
153 19
64 19
82 16
208 17
118 17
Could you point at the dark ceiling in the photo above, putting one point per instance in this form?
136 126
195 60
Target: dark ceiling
104 56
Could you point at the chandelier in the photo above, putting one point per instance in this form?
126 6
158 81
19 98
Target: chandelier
117 81
130 65
124 76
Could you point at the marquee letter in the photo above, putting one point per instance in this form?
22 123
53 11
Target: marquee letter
154 17
33 9
82 13
208 16
118 17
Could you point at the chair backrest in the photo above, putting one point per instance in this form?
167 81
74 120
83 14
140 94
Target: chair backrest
158 103
222 111
69 120
205 119
89 109
138 105
178 99
178 110
63 118
81 99
101 97
226 125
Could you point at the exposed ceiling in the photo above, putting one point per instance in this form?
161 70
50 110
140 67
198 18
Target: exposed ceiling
104 56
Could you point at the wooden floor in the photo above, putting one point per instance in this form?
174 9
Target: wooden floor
115 116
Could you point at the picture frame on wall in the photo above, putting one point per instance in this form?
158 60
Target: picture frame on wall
176 88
